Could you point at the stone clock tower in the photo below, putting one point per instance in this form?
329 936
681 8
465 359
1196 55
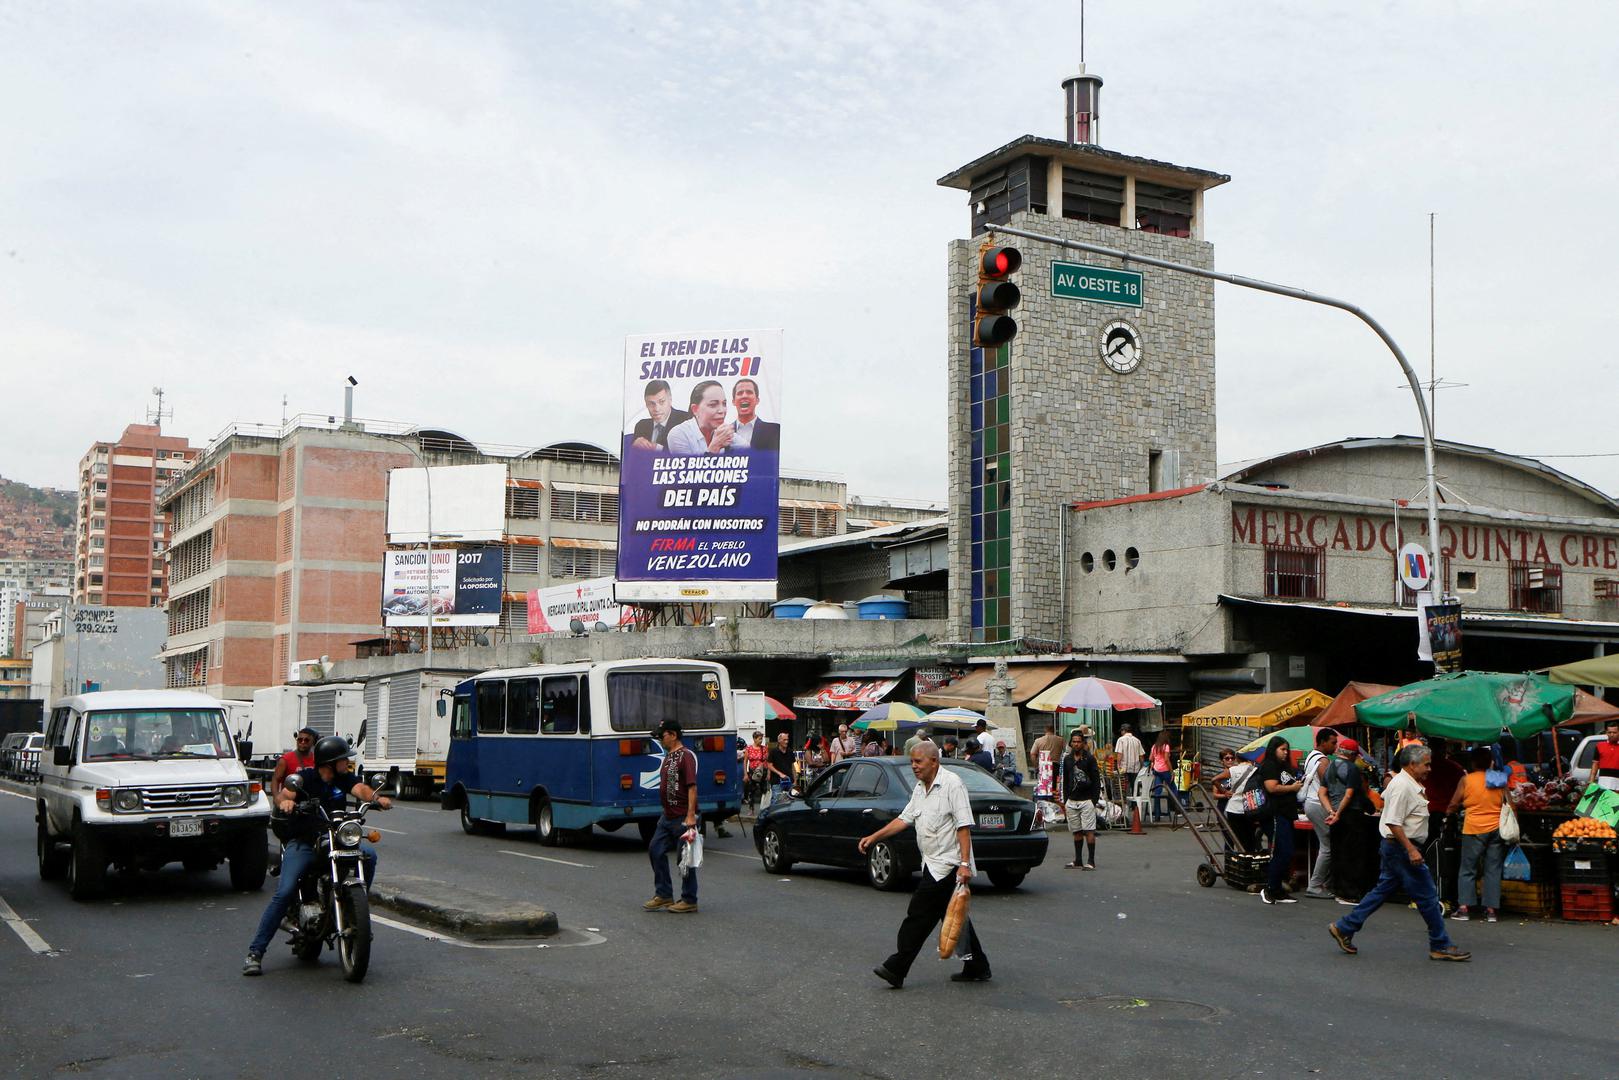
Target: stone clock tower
1106 391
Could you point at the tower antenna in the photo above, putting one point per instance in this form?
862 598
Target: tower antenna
156 415
1081 31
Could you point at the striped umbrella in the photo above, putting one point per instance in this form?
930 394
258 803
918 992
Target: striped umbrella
1072 695
890 716
775 710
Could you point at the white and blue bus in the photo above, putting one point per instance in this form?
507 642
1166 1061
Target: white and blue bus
564 747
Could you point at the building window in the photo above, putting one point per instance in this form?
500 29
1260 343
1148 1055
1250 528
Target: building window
95 579
1606 588
1535 587
568 562
521 559
990 498
189 612
1466 580
188 670
1088 196
1295 573
806 521
522 502
580 505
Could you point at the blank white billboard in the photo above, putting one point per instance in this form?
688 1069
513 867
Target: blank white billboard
468 502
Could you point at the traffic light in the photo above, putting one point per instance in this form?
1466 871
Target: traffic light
997 295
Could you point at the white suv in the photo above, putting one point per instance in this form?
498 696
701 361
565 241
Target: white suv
141 778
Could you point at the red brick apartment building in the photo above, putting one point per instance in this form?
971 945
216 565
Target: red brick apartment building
276 555
121 535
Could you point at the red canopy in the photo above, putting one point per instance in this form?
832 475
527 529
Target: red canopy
1342 710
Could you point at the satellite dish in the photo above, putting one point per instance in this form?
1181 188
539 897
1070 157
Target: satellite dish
576 627
599 628
480 639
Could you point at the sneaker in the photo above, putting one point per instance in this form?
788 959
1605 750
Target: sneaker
680 907
253 965
1346 902
1346 942
1489 915
1461 914
1073 866
721 832
1287 898
1265 897
1090 866
1450 952
657 903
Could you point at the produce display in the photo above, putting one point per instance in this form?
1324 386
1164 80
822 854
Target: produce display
1585 834
1554 794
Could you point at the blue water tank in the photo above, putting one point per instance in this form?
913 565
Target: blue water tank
791 608
884 607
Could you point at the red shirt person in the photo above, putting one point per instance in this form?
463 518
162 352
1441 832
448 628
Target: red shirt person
1605 765
677 796
302 756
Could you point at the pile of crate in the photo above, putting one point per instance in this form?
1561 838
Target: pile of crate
1585 871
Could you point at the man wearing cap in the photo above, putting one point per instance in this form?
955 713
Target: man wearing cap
301 756
1349 830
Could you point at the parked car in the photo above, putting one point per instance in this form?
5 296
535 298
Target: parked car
1584 754
26 762
10 747
854 798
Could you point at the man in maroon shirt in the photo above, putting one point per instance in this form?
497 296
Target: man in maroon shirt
677 792
303 757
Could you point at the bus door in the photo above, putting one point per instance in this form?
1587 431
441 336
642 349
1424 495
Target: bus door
461 759
564 758
492 775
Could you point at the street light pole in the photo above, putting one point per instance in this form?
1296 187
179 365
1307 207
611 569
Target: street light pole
1297 294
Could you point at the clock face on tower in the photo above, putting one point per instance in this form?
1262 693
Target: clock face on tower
1121 347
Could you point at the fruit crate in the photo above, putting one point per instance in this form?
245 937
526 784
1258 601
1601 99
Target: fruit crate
1537 826
1583 845
1588 903
1537 899
1578 868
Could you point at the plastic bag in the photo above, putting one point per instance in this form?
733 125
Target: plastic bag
691 853
1508 824
955 919
1516 866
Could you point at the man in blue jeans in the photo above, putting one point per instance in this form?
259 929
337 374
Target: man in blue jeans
677 793
1404 826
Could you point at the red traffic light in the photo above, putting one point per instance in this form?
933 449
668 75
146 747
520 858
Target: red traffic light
998 262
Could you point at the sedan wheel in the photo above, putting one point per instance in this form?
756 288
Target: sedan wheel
773 851
883 867
1004 877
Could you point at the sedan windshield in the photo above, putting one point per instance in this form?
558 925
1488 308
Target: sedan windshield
149 734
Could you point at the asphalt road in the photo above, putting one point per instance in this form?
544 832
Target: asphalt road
1130 971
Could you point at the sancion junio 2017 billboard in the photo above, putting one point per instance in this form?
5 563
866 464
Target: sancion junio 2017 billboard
700 467
466 587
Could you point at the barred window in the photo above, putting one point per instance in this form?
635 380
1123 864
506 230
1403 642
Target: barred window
575 505
189 612
191 558
522 502
582 562
807 521
521 559
191 669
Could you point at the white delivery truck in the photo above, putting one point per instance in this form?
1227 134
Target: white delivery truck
749 707
407 734
280 711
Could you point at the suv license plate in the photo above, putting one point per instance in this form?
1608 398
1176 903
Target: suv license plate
992 821
191 827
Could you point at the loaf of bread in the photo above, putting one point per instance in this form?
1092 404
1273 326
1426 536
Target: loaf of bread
955 917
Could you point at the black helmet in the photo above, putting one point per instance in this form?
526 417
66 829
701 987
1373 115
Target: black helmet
332 748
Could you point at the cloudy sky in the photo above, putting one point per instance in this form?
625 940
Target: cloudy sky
469 206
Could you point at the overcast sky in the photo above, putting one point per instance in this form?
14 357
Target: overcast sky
468 206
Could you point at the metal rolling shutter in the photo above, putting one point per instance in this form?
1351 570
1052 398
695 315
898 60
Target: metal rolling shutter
322 713
404 694
373 717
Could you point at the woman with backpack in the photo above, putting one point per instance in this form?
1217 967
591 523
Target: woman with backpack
1481 838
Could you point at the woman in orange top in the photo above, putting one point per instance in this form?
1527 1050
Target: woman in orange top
1481 837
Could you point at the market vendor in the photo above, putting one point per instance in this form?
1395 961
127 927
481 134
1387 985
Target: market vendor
1605 766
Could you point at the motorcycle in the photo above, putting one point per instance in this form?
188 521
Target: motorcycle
332 907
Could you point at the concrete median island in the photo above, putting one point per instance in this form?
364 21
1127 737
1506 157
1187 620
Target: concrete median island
461 910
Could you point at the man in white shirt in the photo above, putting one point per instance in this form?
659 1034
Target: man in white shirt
845 745
943 816
1130 752
1404 827
1313 797
751 433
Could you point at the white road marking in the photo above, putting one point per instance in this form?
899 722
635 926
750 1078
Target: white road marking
730 854
16 794
545 858
23 930
390 832
433 935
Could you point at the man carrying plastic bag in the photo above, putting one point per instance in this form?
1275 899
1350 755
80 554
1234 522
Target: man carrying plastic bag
943 816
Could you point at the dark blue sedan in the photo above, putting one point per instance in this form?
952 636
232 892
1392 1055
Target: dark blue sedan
854 798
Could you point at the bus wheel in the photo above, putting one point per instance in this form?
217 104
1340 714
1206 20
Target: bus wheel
545 826
646 829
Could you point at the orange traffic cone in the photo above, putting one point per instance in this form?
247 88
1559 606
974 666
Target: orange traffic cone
1135 820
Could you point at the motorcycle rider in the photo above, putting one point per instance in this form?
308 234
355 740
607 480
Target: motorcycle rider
329 783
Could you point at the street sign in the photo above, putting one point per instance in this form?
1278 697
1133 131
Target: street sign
1415 571
1098 284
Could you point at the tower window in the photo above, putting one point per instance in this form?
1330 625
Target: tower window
1088 196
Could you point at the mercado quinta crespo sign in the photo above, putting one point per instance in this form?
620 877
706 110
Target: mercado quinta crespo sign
1475 543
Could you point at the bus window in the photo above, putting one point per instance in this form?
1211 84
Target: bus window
461 718
639 701
561 705
523 707
491 706
584 704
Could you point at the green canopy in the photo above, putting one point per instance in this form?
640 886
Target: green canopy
1472 705
1598 671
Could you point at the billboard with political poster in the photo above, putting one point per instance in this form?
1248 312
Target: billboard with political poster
700 467
552 610
466 586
